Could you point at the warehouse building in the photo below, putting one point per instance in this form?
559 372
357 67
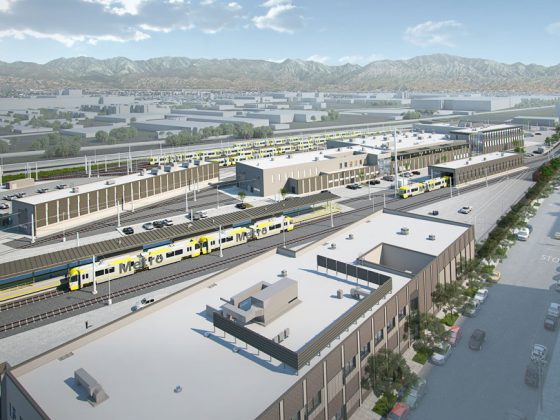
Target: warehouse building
302 173
494 138
288 342
477 167
535 121
415 150
71 204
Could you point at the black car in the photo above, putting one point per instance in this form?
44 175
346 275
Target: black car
477 338
551 323
354 186
532 375
241 206
159 224
374 182
415 172
128 231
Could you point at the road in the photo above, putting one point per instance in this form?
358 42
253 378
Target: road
485 384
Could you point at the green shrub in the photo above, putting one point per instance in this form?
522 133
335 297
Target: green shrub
385 404
470 291
450 319
422 355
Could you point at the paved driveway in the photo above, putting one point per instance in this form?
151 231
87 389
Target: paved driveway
485 384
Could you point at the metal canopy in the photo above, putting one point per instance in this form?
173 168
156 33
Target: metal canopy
137 241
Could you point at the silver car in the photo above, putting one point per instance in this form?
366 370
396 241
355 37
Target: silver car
148 226
441 354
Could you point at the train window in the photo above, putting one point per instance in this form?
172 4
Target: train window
179 252
169 254
100 273
111 270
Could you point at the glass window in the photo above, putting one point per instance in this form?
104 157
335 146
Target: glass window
314 403
365 350
402 313
378 336
391 324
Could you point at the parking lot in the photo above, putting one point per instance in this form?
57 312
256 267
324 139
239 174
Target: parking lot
485 384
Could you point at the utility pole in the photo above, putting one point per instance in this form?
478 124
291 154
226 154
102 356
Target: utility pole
94 291
332 219
118 214
383 200
220 238
186 200
373 204
396 163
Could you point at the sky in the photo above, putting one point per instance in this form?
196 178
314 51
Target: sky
333 32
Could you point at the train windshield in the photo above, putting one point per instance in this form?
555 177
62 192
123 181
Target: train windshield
74 279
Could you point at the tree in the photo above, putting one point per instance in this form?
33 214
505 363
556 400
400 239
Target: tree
361 175
4 147
102 136
411 115
448 296
242 195
283 192
386 372
332 114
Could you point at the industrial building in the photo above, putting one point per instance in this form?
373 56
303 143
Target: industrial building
306 172
475 104
288 342
415 150
494 138
477 167
535 121
42 210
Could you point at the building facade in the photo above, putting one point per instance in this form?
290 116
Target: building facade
495 138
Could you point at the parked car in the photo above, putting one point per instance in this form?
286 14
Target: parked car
4 206
148 226
399 412
415 393
477 338
441 354
241 206
523 234
481 295
532 375
21 194
495 276
471 308
167 222
455 333
415 172
550 323
61 186
375 182
144 302
202 214
354 186
539 353
128 230
158 224
465 209
529 155
388 178
407 174
42 190
553 310
9 197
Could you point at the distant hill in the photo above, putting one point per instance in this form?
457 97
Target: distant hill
429 72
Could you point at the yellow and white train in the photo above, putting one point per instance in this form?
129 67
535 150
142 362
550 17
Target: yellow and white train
124 265
417 188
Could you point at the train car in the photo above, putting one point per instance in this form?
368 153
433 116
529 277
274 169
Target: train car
411 190
271 227
436 183
229 237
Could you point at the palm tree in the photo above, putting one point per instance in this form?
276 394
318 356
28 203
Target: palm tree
283 192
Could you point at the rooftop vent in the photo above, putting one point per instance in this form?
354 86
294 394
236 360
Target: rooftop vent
350 236
96 393
333 246
75 189
110 182
405 231
143 172
316 158
339 294
271 159
284 273
432 237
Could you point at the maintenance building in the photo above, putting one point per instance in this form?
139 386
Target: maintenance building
476 167
494 138
306 172
104 197
287 342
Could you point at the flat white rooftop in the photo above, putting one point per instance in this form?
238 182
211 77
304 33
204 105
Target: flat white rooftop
408 140
95 186
483 129
300 158
140 363
473 160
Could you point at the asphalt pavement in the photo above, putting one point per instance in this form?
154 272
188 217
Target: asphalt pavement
485 384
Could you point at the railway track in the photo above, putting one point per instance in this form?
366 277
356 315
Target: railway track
407 205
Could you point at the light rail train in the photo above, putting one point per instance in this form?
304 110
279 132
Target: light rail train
417 188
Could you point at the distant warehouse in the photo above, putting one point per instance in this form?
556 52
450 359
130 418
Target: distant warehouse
104 196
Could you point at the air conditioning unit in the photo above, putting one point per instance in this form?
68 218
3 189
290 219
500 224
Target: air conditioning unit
143 172
339 294
75 189
350 236
405 231
432 237
333 246
316 158
110 182
284 273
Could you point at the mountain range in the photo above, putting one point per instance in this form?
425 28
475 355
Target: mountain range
439 72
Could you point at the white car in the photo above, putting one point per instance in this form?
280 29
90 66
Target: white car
481 295
523 234
465 209
539 353
148 226
144 302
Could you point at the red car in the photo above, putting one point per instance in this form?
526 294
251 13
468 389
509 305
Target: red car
399 412
454 335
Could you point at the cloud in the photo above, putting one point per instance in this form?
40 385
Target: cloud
318 58
360 59
282 16
93 21
553 28
432 33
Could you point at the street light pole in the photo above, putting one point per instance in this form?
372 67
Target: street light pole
220 238
94 291
332 219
